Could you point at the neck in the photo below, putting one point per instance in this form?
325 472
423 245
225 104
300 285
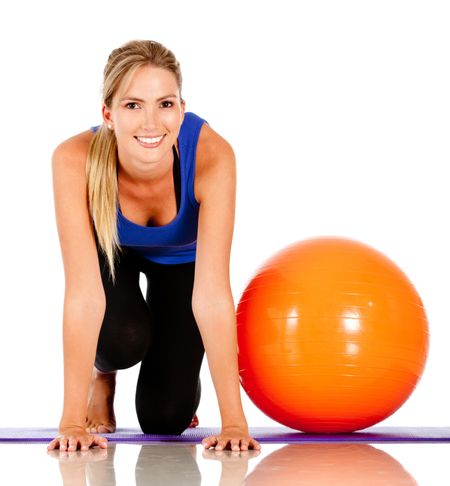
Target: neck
152 177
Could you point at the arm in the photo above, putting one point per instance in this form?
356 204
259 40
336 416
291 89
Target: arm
84 299
212 300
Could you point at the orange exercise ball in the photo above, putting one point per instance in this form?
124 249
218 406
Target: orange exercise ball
332 336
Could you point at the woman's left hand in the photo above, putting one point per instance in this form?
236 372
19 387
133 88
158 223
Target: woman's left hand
235 436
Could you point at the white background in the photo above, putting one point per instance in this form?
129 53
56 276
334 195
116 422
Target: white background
338 113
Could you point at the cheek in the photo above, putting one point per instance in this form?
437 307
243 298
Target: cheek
128 118
172 120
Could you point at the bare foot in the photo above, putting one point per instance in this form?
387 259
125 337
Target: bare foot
100 414
194 422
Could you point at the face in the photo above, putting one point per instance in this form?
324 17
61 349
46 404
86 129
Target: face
146 117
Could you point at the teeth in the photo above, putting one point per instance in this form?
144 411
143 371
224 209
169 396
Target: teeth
150 140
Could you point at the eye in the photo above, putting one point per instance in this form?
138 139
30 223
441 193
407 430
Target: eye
170 103
131 103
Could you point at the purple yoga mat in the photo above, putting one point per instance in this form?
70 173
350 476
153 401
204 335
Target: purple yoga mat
275 435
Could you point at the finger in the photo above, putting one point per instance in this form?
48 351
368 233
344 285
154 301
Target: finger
52 444
100 441
234 444
255 444
244 445
73 443
62 444
209 441
85 443
221 444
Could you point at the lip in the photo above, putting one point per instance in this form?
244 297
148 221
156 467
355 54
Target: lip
150 145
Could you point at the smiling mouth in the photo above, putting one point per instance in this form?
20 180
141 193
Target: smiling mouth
150 141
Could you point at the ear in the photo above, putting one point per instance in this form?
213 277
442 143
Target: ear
106 113
183 109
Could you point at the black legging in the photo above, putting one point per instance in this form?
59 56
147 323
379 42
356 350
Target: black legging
161 331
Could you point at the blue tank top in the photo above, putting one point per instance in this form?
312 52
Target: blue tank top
175 242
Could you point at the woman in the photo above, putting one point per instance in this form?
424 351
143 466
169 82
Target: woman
151 190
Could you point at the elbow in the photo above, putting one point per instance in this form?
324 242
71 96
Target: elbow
207 307
85 304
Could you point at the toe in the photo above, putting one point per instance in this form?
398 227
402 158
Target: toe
105 429
194 422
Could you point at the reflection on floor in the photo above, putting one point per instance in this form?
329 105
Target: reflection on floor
276 464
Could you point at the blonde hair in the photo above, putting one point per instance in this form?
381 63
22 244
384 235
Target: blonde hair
102 159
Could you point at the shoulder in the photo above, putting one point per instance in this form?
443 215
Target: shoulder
215 161
210 144
73 149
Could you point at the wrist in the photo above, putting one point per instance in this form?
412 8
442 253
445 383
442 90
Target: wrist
70 426
231 417
238 423
66 422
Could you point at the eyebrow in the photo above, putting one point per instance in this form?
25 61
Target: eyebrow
139 99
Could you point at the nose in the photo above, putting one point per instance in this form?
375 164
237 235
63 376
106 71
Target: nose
150 119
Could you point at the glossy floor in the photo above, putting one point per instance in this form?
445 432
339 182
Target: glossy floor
276 464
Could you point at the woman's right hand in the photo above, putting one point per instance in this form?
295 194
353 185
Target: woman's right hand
70 437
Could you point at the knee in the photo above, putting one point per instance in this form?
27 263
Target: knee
124 349
165 422
165 426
